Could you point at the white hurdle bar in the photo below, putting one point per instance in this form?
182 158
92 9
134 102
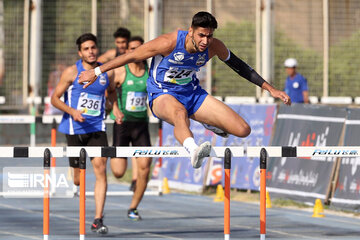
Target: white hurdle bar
273 151
147 151
30 152
285 151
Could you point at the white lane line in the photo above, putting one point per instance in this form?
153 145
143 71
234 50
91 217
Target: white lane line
20 235
123 230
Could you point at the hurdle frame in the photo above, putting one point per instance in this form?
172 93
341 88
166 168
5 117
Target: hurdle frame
82 208
263 162
46 197
263 152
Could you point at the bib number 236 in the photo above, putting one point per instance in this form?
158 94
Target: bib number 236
90 104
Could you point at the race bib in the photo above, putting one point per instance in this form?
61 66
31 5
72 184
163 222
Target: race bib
90 104
179 76
136 101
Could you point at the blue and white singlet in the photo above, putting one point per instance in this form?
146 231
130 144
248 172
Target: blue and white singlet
177 71
90 99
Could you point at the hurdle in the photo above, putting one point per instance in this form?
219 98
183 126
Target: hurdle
37 152
226 152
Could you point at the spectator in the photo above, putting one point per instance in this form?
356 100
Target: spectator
122 36
296 85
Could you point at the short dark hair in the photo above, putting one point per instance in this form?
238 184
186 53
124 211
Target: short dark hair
205 20
136 38
123 33
85 37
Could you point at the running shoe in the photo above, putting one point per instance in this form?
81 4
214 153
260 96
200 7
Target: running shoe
200 153
98 226
133 186
133 214
216 130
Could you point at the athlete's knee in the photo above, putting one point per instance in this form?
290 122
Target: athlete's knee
245 130
118 173
118 166
77 181
144 170
99 165
180 115
76 176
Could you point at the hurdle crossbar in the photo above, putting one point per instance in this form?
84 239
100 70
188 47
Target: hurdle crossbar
147 151
306 151
30 152
273 151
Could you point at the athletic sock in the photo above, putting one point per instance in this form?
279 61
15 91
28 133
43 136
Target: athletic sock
190 144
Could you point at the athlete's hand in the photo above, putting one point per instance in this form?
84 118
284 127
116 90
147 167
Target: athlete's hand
77 115
281 95
119 116
87 77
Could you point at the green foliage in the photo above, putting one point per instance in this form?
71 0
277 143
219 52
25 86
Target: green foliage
13 31
344 73
240 39
63 22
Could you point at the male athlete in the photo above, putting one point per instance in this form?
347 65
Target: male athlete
83 119
173 88
121 36
130 81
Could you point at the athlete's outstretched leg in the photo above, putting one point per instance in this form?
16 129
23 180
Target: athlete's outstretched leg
172 111
218 114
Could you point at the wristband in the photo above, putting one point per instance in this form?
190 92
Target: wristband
97 71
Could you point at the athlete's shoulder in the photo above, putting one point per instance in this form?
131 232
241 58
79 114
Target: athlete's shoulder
218 48
70 71
168 40
108 55
119 73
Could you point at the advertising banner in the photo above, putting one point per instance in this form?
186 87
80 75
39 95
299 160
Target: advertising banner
304 179
347 192
245 173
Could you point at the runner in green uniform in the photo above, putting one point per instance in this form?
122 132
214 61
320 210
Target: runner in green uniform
131 85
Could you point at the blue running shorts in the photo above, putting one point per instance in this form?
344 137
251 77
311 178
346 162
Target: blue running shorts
191 100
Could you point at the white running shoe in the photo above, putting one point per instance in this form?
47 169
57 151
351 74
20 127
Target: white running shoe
216 130
200 153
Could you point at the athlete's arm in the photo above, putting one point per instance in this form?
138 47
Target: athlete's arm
306 96
120 74
111 90
66 79
243 69
163 45
107 56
